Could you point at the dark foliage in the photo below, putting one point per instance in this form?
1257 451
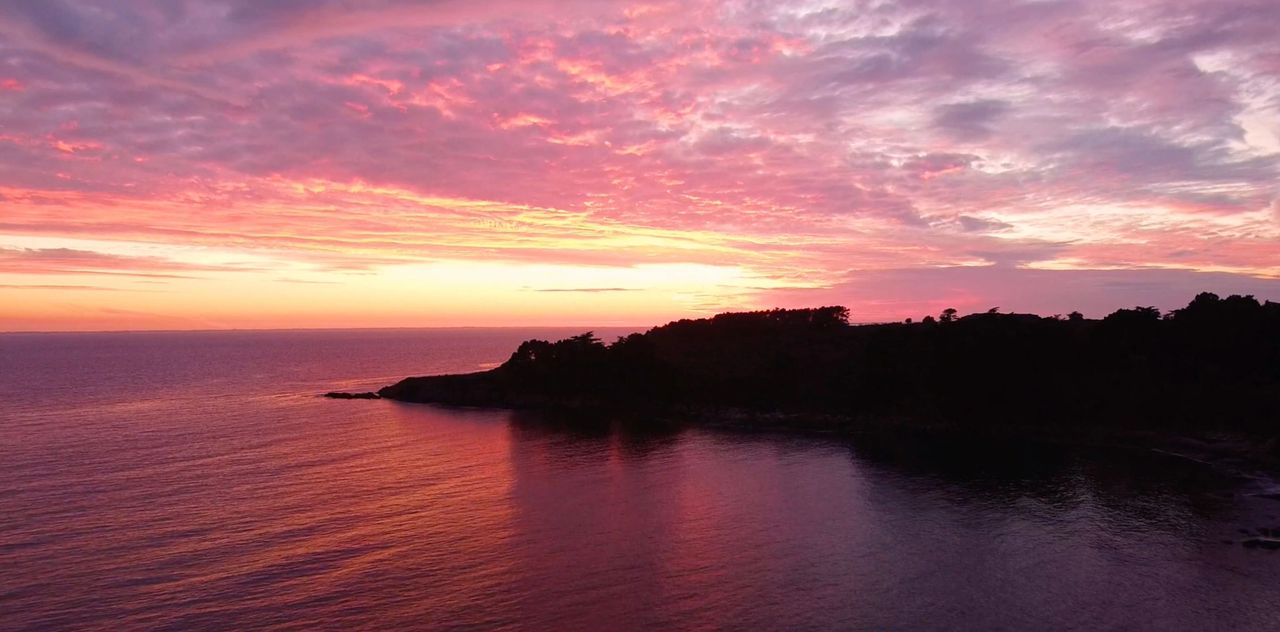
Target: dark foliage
1212 364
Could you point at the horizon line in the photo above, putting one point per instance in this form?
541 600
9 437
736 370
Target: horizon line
269 329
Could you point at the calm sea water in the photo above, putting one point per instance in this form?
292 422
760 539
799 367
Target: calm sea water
185 481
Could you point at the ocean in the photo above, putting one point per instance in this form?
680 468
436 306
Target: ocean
197 481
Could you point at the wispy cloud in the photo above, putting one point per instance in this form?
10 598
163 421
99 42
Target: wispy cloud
41 261
587 289
89 288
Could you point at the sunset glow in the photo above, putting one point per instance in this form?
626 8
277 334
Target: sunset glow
244 164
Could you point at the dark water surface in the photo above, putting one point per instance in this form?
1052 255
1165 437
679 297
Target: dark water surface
194 481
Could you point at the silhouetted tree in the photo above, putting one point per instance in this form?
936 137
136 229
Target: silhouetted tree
1136 316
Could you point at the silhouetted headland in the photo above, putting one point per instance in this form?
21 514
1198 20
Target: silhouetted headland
1212 365
340 395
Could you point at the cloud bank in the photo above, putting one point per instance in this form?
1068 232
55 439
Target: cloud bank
805 143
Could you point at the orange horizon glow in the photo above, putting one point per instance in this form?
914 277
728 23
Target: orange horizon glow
608 163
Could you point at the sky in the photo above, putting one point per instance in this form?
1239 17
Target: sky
393 163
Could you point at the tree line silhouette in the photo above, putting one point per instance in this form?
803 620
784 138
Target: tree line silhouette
1212 364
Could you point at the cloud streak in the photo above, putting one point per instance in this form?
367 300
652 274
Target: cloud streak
588 290
68 261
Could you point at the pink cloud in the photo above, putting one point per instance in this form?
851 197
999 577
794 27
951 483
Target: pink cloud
43 261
